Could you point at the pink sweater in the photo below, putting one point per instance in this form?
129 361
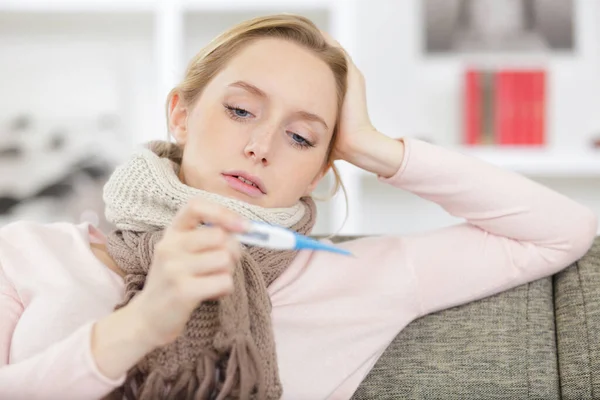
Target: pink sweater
332 316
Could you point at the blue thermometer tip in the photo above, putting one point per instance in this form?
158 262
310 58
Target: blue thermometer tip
303 242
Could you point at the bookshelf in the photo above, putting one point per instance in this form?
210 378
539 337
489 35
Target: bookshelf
541 162
136 51
533 163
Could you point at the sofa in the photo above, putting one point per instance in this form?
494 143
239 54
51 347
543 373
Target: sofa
540 340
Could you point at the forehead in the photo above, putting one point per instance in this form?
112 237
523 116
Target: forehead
290 74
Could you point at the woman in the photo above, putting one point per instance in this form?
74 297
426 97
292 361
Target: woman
160 308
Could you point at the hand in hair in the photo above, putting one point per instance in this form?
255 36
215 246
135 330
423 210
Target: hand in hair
355 123
358 142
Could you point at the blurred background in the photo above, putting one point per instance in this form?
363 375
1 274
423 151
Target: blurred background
514 82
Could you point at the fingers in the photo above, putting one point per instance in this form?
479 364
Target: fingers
206 238
198 211
211 287
210 248
206 264
202 241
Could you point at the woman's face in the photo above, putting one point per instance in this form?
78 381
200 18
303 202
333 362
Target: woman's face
268 117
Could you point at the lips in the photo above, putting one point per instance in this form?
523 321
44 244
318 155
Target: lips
245 183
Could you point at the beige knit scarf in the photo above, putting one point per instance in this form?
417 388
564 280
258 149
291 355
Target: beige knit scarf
227 349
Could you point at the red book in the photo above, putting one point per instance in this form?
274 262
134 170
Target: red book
539 107
520 105
513 106
472 107
529 119
500 108
504 108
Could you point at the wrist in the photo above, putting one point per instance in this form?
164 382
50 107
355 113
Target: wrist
141 326
377 153
119 342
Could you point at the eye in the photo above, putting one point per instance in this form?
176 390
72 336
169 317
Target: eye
299 142
299 138
240 112
237 113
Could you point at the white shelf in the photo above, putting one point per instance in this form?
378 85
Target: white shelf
73 6
541 162
532 162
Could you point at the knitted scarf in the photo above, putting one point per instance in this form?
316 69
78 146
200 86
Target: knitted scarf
227 348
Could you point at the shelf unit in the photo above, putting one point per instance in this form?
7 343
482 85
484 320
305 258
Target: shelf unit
541 162
143 46
532 162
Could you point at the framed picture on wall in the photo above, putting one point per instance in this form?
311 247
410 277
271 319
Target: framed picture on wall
501 26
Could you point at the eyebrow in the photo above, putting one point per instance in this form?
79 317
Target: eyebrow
258 92
249 88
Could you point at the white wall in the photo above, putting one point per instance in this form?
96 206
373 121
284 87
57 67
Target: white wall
76 66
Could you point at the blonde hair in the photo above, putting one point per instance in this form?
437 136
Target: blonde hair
205 65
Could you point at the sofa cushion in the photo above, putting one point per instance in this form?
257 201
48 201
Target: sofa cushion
577 292
500 347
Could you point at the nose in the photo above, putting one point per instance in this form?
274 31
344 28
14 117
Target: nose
259 147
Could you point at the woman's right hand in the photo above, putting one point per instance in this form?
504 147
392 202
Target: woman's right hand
190 265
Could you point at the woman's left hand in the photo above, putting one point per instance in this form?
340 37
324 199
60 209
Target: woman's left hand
358 142
355 126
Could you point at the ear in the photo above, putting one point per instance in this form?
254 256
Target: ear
178 120
312 186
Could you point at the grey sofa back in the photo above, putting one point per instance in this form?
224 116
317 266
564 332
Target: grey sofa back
538 341
577 307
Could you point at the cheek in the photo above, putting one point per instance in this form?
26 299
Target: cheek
302 170
209 129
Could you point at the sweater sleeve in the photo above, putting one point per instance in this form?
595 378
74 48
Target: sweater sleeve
11 310
65 370
515 230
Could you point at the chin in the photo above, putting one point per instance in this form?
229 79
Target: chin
234 194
